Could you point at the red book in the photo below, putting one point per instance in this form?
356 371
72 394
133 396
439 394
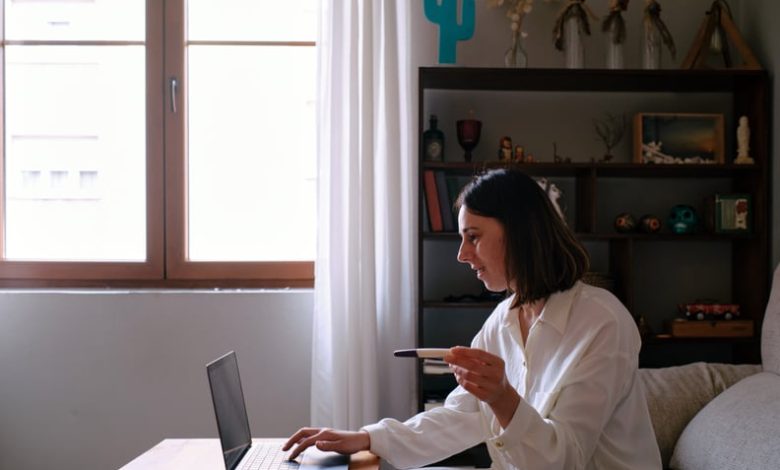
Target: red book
432 200
445 205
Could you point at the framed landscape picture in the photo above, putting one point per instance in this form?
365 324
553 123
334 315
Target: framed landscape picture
666 138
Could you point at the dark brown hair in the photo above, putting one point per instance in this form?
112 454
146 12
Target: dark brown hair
542 254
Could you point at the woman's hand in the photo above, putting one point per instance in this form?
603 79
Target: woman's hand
343 442
482 374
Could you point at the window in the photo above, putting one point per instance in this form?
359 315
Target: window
158 143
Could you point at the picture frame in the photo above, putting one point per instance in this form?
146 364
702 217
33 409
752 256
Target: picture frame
729 213
671 138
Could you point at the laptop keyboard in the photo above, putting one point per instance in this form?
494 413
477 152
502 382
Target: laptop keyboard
267 456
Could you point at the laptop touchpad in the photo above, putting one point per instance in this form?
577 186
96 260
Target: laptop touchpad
315 459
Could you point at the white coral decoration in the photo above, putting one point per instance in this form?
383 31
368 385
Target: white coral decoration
516 10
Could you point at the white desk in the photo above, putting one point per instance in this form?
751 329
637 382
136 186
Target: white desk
206 454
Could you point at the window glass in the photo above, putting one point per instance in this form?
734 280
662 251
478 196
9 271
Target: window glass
251 158
70 111
252 20
114 171
59 20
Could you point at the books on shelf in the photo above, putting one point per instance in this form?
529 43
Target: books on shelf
426 224
441 190
445 202
432 201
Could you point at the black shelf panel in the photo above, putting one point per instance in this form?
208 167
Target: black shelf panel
601 80
534 169
463 305
614 170
665 237
643 237
664 339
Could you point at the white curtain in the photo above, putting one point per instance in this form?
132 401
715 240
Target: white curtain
364 294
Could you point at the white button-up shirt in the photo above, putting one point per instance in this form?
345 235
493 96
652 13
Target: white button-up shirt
582 406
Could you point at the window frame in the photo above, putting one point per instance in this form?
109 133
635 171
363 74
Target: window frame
167 264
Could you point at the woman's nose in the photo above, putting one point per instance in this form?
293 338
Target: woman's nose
463 253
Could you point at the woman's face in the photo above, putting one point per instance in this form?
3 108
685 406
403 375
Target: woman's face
482 247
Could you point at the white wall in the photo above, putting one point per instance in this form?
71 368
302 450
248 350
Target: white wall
88 380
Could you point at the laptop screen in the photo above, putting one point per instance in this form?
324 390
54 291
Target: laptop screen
229 408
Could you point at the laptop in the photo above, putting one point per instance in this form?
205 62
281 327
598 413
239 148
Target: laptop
235 437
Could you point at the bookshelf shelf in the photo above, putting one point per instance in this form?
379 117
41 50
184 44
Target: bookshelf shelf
600 169
641 237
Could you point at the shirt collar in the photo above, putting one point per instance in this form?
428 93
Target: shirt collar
555 312
558 308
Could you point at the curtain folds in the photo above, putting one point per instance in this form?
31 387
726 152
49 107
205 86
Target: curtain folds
365 284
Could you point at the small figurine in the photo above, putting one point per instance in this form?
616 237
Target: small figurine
505 149
625 222
519 154
553 192
743 142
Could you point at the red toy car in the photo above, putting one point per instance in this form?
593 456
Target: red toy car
709 311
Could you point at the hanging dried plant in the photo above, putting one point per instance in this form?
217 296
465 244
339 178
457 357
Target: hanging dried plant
610 130
653 21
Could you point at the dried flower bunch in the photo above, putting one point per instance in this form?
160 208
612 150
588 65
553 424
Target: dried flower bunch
573 9
610 130
653 22
614 20
515 11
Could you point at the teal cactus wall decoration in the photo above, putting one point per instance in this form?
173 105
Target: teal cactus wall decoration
445 14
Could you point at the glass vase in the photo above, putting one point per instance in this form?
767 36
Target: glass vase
573 48
516 55
614 48
651 49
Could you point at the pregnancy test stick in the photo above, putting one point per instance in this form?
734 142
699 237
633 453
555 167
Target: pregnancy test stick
423 353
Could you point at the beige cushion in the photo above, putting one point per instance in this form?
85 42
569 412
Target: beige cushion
770 331
738 430
675 394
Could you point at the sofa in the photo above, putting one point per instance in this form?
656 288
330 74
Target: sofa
721 416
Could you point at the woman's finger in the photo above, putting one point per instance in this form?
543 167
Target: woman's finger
307 442
300 434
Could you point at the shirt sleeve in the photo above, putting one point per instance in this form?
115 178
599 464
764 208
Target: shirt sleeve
429 436
583 406
433 435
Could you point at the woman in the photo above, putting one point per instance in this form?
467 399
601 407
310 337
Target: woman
550 381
